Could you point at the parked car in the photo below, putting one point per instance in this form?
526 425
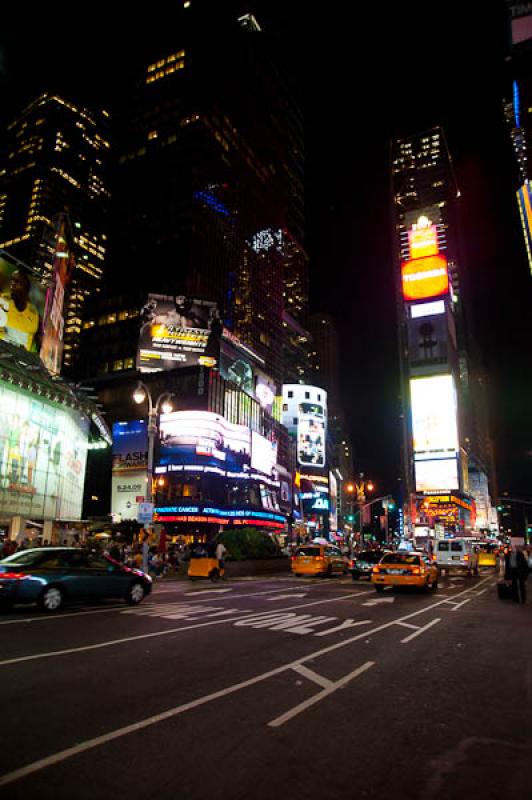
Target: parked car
362 563
53 576
405 569
317 559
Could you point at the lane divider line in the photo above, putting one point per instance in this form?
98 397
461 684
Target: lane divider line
420 631
325 683
293 712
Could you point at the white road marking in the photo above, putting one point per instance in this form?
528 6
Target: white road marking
325 683
208 591
420 631
346 624
287 596
90 744
47 618
276 723
377 600
459 605
408 625
285 621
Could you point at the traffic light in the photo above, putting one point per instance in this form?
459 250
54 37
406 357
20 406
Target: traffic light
499 508
350 518
391 505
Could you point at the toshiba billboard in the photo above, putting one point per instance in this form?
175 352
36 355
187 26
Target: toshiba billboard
425 273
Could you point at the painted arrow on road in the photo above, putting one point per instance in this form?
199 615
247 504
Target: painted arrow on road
378 600
287 596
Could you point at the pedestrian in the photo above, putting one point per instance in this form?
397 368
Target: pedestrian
145 552
221 550
517 571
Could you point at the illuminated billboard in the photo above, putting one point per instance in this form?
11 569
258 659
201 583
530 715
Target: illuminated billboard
203 437
311 435
433 475
524 199
305 416
178 332
424 278
130 446
22 301
434 410
43 453
263 453
53 323
423 239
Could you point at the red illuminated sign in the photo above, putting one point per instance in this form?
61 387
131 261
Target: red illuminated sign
423 278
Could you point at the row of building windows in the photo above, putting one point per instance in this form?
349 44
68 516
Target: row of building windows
111 318
163 73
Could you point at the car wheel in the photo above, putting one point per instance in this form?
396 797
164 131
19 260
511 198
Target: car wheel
135 593
355 575
379 588
214 575
51 599
329 572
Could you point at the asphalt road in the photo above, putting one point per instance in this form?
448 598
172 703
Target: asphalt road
271 688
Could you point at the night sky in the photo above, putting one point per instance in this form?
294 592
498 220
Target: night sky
385 70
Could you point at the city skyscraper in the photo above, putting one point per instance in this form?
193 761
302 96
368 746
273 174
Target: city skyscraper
446 444
52 187
208 184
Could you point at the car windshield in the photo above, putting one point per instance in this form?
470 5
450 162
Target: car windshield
370 555
309 551
400 558
27 558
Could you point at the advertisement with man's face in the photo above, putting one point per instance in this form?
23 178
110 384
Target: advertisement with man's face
53 324
43 453
311 435
178 331
22 300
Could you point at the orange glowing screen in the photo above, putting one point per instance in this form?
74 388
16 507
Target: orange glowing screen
425 277
423 241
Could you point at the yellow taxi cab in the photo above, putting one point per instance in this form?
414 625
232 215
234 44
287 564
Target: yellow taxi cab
317 559
487 556
405 569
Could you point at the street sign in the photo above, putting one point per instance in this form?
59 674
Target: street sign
145 513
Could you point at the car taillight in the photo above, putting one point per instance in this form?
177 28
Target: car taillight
416 571
434 557
320 558
12 576
466 558
293 558
375 569
353 563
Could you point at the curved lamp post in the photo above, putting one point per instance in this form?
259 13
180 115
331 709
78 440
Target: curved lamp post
163 404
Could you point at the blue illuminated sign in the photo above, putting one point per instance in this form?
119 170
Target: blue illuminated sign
516 104
213 202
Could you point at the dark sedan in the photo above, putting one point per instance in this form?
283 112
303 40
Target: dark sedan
362 563
52 576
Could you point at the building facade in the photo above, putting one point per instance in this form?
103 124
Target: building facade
54 196
444 405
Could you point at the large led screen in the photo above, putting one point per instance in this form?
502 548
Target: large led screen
178 332
311 435
263 453
22 300
436 475
434 425
43 454
202 437
130 446
424 278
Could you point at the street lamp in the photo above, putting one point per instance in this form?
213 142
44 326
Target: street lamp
161 404
360 488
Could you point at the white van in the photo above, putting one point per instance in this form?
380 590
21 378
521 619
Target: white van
456 554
